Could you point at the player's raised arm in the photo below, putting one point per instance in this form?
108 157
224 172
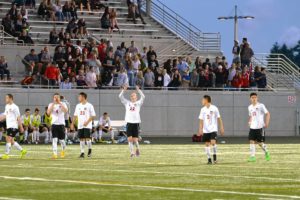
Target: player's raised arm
121 95
50 109
141 94
64 107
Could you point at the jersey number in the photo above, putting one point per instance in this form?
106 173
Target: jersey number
82 113
132 108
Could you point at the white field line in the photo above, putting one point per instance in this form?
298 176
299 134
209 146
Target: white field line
149 187
10 198
163 173
263 198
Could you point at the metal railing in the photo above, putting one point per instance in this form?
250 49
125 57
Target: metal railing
4 35
208 42
282 72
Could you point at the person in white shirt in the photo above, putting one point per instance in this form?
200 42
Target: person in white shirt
167 78
132 118
85 114
105 126
13 126
57 110
208 127
259 119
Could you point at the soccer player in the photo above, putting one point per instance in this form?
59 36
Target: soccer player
57 110
208 127
35 123
259 119
132 118
104 126
13 125
26 121
85 114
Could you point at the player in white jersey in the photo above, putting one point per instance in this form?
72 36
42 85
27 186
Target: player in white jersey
57 110
85 114
208 127
132 118
105 126
13 126
259 119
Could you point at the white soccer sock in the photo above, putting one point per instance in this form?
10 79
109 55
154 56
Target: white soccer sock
252 150
54 145
207 150
130 144
112 134
17 146
62 144
1 134
7 148
264 147
34 136
89 144
82 143
37 135
215 149
46 136
100 134
25 135
137 145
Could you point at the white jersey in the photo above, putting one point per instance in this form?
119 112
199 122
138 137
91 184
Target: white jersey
132 109
12 113
84 112
58 115
210 118
104 122
257 115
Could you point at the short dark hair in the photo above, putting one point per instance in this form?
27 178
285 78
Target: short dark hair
56 94
208 98
105 113
84 95
27 109
253 94
10 96
36 109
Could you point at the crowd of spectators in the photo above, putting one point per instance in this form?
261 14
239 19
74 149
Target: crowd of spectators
93 65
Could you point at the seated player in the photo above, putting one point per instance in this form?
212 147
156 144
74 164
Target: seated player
45 128
105 126
26 121
35 124
2 129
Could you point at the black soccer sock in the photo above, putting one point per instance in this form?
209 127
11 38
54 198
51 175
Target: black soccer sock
215 157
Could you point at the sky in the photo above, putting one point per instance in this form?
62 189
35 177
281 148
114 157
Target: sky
275 20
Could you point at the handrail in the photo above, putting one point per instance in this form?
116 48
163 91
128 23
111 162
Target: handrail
210 42
12 37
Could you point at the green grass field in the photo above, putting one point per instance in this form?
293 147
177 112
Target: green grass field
162 172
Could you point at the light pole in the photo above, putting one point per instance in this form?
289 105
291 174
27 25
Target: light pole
235 18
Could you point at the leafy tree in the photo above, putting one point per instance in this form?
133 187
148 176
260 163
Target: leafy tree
293 53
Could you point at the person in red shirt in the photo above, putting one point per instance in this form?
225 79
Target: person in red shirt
52 74
245 78
102 50
237 80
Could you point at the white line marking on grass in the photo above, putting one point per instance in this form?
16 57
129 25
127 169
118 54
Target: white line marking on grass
151 187
263 198
164 173
9 198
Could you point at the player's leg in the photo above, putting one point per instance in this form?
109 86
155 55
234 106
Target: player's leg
37 134
208 152
1 133
23 152
214 148
112 135
7 146
261 143
54 140
130 145
82 142
252 141
62 137
88 141
100 132
26 134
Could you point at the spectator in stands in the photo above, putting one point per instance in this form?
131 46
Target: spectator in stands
139 80
28 59
186 79
260 77
198 64
73 10
8 26
150 53
133 11
113 20
167 78
133 49
215 65
105 20
4 68
53 37
72 28
153 64
246 54
96 5
81 79
91 78
24 12
237 80
43 9
236 50
52 74
159 78
18 24
252 81
65 85
109 62
176 79
231 73
65 71
84 3
122 78
58 10
245 78
59 56
45 56
82 31
208 77
182 66
220 77
263 78
168 66
13 12
194 78
25 38
149 78
66 10
30 4
136 63
191 65
139 11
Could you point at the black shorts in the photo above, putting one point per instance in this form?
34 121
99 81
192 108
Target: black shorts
58 131
207 137
84 133
257 135
12 132
105 130
132 130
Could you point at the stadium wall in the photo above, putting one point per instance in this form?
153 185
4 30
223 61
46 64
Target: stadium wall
175 113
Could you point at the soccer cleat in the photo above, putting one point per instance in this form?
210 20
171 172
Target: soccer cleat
267 156
54 157
252 159
137 153
5 156
81 155
62 154
132 155
90 153
209 162
23 153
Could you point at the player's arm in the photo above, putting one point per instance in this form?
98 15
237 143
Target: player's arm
50 109
141 94
89 120
200 131
64 107
72 126
221 125
121 95
268 117
2 117
20 124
